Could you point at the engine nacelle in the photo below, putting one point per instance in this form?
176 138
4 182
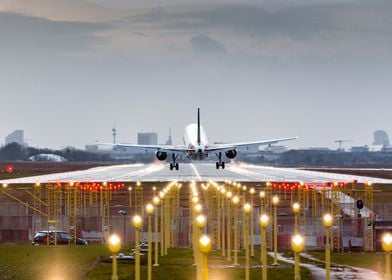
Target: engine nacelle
231 154
161 155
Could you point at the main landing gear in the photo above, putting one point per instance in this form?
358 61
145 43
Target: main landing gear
220 163
174 164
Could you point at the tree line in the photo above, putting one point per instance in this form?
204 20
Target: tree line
16 152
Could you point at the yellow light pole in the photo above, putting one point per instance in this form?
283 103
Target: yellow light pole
168 197
137 224
162 241
262 207
200 223
252 230
235 201
264 221
205 248
219 217
327 221
156 201
297 244
195 200
223 239
114 248
387 247
130 199
247 211
275 202
244 188
296 208
197 209
130 210
229 195
149 211
262 203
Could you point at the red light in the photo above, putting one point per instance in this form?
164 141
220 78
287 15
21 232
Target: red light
9 169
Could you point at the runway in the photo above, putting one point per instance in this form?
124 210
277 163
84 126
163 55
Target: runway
197 171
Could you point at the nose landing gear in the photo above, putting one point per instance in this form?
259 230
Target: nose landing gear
174 164
220 163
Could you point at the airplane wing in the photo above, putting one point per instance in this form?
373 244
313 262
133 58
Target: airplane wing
161 148
231 146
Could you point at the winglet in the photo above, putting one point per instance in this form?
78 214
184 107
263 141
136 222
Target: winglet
198 126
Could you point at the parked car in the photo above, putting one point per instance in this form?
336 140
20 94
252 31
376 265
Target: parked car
63 237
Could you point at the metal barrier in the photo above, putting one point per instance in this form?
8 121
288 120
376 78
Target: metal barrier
17 225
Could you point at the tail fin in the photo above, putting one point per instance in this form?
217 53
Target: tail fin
198 126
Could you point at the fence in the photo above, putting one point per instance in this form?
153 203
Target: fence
17 225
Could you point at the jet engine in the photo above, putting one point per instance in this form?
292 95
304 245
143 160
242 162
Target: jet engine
231 154
161 155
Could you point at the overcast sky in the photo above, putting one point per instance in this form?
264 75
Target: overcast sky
71 69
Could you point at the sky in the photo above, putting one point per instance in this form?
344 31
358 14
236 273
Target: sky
70 70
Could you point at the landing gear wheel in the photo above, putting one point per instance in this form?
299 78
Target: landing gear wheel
223 165
174 164
217 165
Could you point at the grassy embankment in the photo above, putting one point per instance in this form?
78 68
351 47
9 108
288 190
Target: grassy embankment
84 262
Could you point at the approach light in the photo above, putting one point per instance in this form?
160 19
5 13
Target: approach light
149 209
275 200
327 220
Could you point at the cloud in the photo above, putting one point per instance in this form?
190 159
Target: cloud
358 28
243 19
30 35
63 10
280 66
206 44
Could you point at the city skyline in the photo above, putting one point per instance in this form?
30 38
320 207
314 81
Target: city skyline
163 139
317 70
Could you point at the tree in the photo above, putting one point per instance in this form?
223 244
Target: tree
13 151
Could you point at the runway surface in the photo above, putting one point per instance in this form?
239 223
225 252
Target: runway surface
198 171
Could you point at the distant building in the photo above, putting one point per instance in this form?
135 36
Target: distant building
376 148
380 138
15 137
319 149
91 148
169 141
387 149
359 149
252 149
149 138
275 149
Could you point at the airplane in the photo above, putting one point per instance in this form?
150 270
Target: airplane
196 146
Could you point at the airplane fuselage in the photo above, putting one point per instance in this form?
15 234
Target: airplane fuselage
196 151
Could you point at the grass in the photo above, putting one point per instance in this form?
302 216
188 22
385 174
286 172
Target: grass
84 262
47 262
178 264
373 261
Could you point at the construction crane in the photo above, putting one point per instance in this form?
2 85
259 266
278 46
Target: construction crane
340 141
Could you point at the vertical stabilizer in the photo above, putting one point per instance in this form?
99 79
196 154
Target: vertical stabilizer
198 126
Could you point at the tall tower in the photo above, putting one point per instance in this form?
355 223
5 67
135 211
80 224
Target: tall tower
114 133
380 138
169 140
